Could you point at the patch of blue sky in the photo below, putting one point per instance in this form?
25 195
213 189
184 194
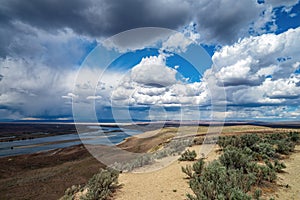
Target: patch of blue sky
197 57
88 47
185 68
210 49
191 72
286 20
128 60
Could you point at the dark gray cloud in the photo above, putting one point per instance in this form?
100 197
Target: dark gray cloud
242 81
94 18
218 21
50 15
85 17
29 89
224 21
39 39
284 97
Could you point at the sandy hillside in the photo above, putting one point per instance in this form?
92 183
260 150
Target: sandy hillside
291 177
164 184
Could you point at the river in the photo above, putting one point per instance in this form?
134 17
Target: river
111 136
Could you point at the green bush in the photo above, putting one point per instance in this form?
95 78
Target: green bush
285 147
277 136
139 161
294 137
234 158
187 170
264 150
199 166
69 193
239 195
249 140
188 156
142 160
195 170
268 173
225 141
218 182
102 185
279 166
72 190
236 171
257 194
198 140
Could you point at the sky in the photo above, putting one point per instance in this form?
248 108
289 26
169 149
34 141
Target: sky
91 60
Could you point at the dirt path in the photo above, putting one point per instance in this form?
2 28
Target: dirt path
290 178
168 183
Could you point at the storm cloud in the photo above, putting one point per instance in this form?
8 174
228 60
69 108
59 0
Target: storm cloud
221 21
43 43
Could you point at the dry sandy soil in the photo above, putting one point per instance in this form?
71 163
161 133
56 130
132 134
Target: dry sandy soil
289 181
46 175
169 183
163 184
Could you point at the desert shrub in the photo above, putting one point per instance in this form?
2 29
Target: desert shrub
249 140
279 166
268 173
264 150
198 140
236 171
102 185
234 158
239 195
179 145
199 166
67 197
162 153
188 156
278 136
225 141
139 161
294 137
285 147
187 170
174 147
240 180
142 160
218 182
222 142
71 191
211 140
262 172
248 151
257 194
194 170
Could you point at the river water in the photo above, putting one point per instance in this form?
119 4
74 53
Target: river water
111 136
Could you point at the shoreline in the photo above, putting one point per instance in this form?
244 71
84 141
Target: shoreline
30 175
